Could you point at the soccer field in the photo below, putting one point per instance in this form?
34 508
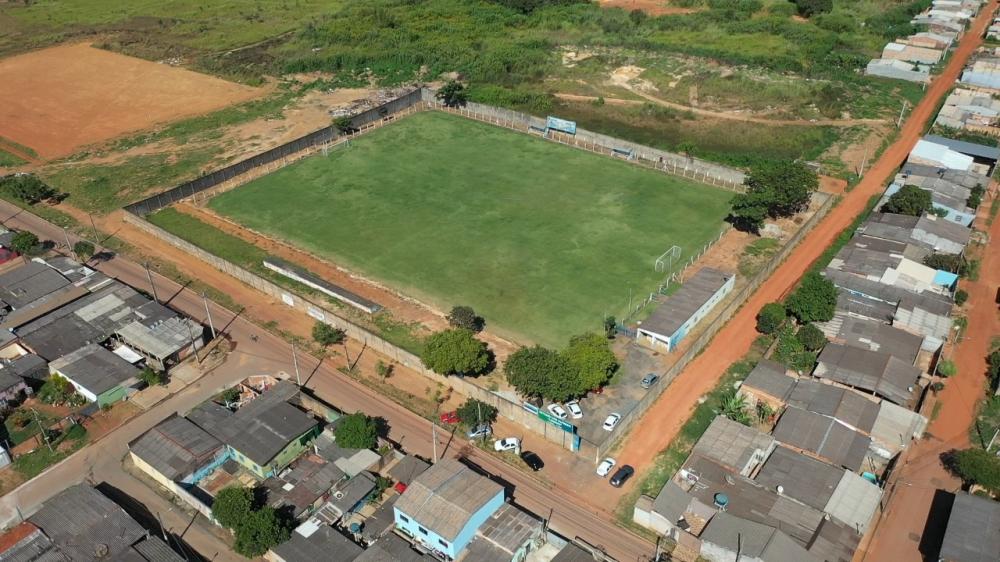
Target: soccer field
541 239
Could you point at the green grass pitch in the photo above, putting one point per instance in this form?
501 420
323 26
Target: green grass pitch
541 239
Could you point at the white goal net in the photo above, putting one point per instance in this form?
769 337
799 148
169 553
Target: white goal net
667 260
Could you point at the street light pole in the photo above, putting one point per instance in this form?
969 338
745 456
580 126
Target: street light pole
208 313
295 361
151 284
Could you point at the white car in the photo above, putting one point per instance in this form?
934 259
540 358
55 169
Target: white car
557 411
611 421
574 409
507 444
605 467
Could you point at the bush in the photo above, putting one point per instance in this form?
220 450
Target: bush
57 390
809 8
475 413
788 345
771 317
152 377
465 317
815 300
356 431
25 243
961 296
84 250
326 335
455 352
26 188
975 466
946 368
812 337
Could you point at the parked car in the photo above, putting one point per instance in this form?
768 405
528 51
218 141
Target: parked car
450 418
622 475
605 467
507 444
557 411
574 409
533 461
648 380
611 421
481 431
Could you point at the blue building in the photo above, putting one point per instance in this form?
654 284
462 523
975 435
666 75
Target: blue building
680 312
444 507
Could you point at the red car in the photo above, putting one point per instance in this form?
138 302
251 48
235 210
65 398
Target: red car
449 418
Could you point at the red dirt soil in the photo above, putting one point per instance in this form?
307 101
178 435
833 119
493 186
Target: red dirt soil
651 7
57 100
661 424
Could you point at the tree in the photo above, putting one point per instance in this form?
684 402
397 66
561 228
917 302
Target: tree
540 372
260 531
910 200
475 413
814 300
590 358
327 335
812 337
232 506
453 94
993 371
774 189
56 390
809 8
383 370
343 124
947 368
975 196
771 317
151 377
27 188
747 212
948 262
356 431
24 242
465 317
84 250
455 352
734 407
610 327
961 296
975 466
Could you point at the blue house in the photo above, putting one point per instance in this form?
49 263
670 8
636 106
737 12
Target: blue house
444 507
679 313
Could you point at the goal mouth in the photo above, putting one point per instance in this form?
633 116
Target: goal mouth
667 259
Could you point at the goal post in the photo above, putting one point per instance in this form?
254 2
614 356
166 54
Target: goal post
667 260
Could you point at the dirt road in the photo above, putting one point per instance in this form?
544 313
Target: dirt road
661 424
729 116
900 533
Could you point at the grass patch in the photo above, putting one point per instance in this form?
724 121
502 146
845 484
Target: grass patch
9 160
987 422
536 236
34 463
994 209
17 435
756 255
47 212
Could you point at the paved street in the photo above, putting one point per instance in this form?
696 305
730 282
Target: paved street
570 515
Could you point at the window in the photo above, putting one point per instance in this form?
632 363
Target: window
404 518
422 530
442 543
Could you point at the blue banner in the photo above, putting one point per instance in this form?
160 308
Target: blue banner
561 125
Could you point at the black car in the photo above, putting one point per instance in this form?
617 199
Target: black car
622 475
533 461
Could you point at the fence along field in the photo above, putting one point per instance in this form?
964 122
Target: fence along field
542 239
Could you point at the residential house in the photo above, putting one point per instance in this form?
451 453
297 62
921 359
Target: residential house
925 314
177 453
347 496
852 409
393 548
971 110
312 541
680 312
734 445
162 337
899 70
967 179
894 428
865 258
934 154
97 374
823 437
303 487
728 538
13 390
953 209
444 507
983 73
949 189
930 40
872 371
911 53
973 532
874 336
767 383
981 153
508 535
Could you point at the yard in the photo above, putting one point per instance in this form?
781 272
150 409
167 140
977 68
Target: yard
542 239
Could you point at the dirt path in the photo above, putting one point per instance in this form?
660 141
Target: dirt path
674 407
651 7
899 532
723 114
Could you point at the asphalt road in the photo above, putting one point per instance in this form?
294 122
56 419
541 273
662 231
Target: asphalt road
267 355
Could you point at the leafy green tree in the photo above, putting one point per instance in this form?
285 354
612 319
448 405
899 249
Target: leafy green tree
475 413
455 352
975 197
589 356
993 369
774 189
815 300
961 296
327 335
975 466
383 370
771 317
734 406
809 8
56 390
356 431
610 327
910 200
27 188
25 243
540 372
84 250
343 124
465 317
260 531
151 377
947 368
232 506
453 94
811 337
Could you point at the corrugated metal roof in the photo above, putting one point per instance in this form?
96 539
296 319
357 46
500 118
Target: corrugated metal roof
769 377
854 501
938 154
678 308
95 368
733 444
973 533
175 447
879 336
822 436
873 371
808 480
753 540
445 496
312 541
896 426
842 404
83 523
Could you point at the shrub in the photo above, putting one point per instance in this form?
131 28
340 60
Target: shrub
946 368
809 8
152 377
771 317
84 250
326 335
475 413
455 352
812 337
815 300
465 317
26 188
961 296
356 431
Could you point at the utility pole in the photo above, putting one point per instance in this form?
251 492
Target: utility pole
899 122
434 443
162 528
151 284
194 346
208 313
45 434
97 237
295 361
66 236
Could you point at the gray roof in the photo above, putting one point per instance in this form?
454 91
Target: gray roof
874 371
63 336
95 368
860 286
895 426
844 405
153 549
312 541
733 444
968 148
925 231
9 380
671 502
27 543
573 553
964 178
381 520
158 331
307 480
445 496
83 522
879 336
510 528
929 302
936 185
33 280
769 377
834 541
973 533
28 365
864 306
822 436
753 540
808 480
351 492
176 447
854 501
678 308
392 548
864 261
408 468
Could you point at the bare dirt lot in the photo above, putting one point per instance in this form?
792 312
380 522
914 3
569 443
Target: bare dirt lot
59 99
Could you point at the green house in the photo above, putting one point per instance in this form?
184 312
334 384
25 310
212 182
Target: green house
97 374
